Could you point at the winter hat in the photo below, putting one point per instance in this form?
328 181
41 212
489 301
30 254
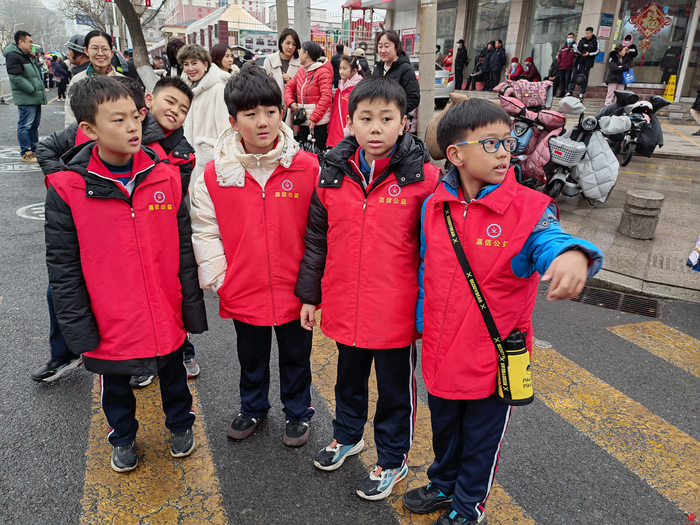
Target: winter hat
514 59
528 59
194 51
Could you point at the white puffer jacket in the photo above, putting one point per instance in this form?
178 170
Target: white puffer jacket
207 118
231 163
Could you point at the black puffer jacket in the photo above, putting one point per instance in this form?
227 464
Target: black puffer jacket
696 104
616 67
402 71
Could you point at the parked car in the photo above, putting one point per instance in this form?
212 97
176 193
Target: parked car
444 83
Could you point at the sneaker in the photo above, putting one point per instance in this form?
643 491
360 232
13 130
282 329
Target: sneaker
182 444
334 455
124 458
697 133
296 433
141 381
29 157
243 426
452 517
424 500
568 94
379 483
192 368
580 97
52 370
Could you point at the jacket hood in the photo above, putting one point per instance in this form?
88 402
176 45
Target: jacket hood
231 160
407 162
212 77
351 82
151 130
12 48
321 62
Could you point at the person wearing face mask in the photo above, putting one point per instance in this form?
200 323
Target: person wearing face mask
628 42
566 59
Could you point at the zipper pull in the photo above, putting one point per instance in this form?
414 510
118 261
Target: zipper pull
263 193
466 205
132 213
364 205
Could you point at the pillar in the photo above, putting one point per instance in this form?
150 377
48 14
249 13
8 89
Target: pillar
592 9
517 29
460 25
282 15
428 39
302 19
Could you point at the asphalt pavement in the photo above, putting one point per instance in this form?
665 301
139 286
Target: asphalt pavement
612 437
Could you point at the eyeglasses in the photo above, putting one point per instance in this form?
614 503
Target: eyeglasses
103 50
492 145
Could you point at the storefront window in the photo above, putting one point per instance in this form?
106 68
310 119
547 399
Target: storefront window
691 85
446 22
550 22
490 23
658 31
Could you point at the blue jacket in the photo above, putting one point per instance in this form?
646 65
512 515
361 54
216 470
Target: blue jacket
546 242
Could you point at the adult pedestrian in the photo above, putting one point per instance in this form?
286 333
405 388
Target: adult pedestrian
553 74
312 89
618 63
61 73
283 65
77 57
48 72
586 50
515 71
171 51
476 76
395 64
159 63
628 42
530 72
695 111
99 49
461 62
566 58
335 62
360 54
498 61
27 92
439 57
222 56
486 65
208 115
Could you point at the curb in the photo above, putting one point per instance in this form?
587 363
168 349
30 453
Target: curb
672 156
626 284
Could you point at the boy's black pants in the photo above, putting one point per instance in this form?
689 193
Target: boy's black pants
119 403
394 421
254 345
467 436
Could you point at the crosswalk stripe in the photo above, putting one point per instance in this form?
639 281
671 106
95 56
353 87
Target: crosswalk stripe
500 508
665 342
655 450
162 489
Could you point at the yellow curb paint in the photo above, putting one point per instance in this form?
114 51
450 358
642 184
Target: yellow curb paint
162 490
656 451
665 342
657 175
500 509
49 102
681 134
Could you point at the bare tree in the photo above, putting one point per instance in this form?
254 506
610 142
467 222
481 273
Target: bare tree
48 30
141 61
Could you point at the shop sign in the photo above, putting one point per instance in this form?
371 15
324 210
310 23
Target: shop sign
650 20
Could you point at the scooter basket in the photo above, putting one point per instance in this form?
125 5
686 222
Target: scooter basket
566 152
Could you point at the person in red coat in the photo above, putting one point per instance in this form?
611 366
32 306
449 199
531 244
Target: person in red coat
248 218
121 266
509 235
362 258
350 75
516 71
566 58
530 72
312 89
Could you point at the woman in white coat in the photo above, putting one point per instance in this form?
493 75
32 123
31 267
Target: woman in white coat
284 65
208 115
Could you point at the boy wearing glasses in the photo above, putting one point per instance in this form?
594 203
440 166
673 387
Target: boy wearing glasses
509 234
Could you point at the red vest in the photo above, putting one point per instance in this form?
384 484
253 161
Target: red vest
339 112
370 284
172 159
458 356
263 237
130 257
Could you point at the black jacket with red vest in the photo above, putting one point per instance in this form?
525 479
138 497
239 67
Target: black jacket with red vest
121 267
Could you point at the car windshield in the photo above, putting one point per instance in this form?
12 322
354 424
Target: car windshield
415 66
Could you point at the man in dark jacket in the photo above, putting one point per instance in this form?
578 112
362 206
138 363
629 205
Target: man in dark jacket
553 75
27 92
335 62
498 60
461 61
586 51
566 58
486 65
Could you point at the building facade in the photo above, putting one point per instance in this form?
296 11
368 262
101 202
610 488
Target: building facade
665 33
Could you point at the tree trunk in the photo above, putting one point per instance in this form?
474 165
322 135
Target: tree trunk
143 65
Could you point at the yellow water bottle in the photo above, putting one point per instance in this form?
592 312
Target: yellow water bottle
514 376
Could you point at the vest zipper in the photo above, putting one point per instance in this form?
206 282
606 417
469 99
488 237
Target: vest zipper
267 251
359 273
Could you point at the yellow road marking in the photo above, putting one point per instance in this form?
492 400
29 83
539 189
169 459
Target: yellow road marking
680 134
672 167
162 490
665 342
500 509
656 451
49 102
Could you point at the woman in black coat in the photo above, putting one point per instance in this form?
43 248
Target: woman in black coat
695 111
395 64
618 63
59 71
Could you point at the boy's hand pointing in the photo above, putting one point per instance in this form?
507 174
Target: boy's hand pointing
568 274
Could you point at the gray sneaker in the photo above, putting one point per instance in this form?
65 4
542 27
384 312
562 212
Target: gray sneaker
182 444
335 454
141 381
192 368
124 458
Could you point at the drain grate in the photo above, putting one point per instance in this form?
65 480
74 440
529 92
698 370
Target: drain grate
623 302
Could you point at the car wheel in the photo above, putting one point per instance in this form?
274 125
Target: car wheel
440 103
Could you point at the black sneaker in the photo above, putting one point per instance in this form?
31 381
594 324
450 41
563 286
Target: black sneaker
141 381
379 483
424 500
182 444
124 458
452 517
243 426
52 370
696 133
296 433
